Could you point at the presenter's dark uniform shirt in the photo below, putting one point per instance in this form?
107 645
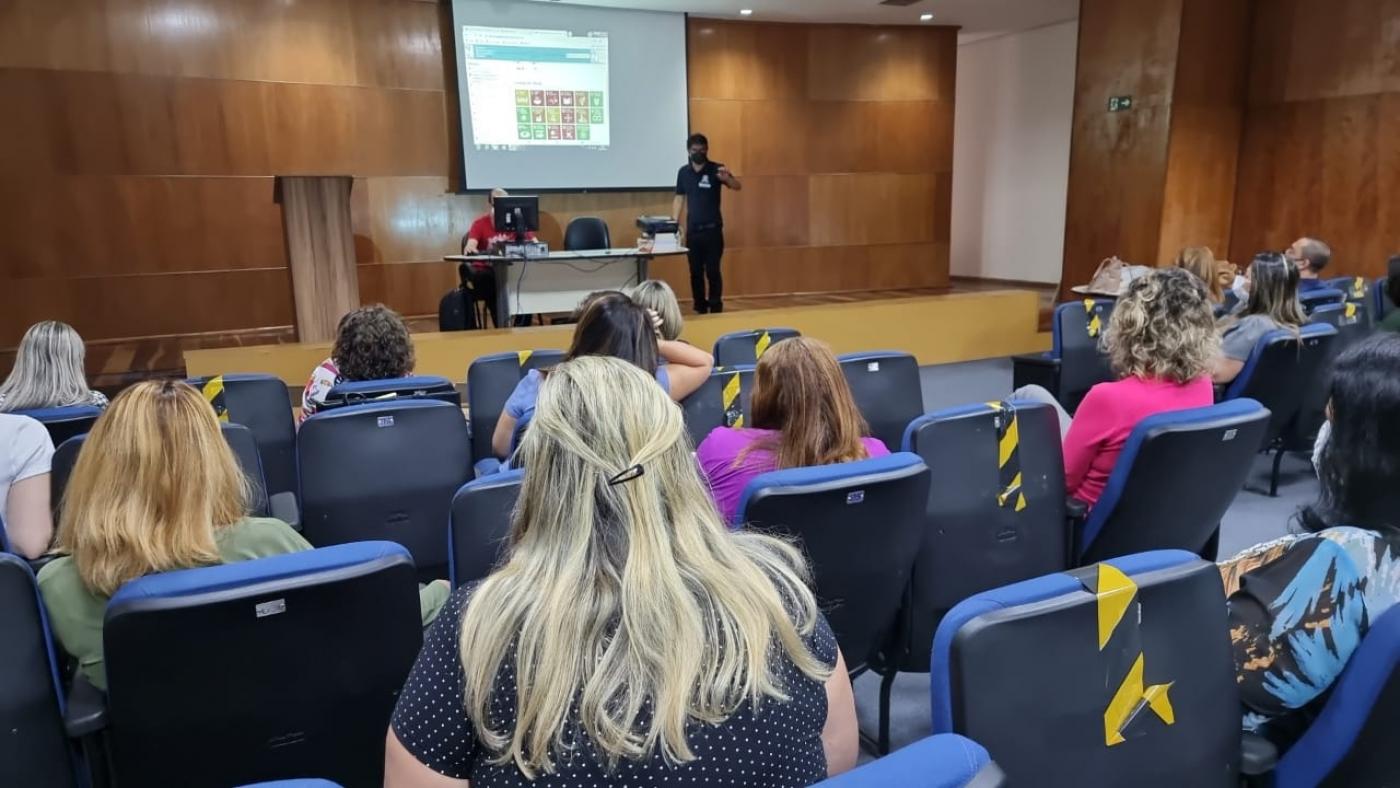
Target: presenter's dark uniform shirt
702 193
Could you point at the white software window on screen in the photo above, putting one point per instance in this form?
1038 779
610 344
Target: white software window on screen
537 87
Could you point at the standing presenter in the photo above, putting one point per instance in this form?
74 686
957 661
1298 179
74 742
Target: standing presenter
698 187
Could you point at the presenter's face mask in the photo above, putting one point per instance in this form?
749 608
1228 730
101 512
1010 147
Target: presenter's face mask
697 156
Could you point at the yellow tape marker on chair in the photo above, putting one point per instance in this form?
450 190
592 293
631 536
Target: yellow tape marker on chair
1115 593
213 392
1095 325
761 345
524 356
1350 311
1009 457
733 415
1129 700
1358 288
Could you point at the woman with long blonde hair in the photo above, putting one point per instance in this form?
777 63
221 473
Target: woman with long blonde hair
628 637
154 489
803 415
1272 304
48 371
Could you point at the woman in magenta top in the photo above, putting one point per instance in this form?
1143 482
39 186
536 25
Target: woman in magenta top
1161 341
803 415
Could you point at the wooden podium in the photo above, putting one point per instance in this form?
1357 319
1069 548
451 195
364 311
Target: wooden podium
320 251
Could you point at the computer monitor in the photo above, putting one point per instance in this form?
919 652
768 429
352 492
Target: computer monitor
518 215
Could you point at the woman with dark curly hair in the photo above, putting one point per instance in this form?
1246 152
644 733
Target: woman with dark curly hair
1299 606
371 343
1161 341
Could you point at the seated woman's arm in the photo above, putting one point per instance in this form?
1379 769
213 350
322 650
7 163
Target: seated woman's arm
840 735
402 770
687 367
1225 370
28 517
1235 348
501 437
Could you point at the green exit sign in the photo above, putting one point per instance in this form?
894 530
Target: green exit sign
1120 103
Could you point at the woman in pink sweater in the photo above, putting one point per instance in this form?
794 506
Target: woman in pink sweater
1161 341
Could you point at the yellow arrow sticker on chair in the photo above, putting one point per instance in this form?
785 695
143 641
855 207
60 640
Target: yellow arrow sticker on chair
1128 702
1115 592
524 356
1095 325
761 345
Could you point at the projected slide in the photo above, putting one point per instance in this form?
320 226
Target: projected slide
537 87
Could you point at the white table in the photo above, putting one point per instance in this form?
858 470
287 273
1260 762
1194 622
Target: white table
558 281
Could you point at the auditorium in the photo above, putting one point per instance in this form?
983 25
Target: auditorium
761 393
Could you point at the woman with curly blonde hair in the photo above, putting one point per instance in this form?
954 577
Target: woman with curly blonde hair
1161 342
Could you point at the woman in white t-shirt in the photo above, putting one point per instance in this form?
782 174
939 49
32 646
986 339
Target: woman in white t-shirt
25 459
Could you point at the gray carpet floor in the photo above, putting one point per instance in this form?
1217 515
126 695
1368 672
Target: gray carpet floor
1253 518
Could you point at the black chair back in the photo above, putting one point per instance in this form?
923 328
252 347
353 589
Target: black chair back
64 422
1075 333
1280 371
65 456
260 403
1323 296
1178 474
34 749
386 470
996 511
743 348
861 524
1353 325
261 670
888 391
481 513
1115 674
587 233
723 401
490 381
413 387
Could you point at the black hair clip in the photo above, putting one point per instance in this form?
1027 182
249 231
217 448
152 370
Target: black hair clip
627 475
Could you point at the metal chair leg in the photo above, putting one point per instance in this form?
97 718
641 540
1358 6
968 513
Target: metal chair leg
1273 479
886 686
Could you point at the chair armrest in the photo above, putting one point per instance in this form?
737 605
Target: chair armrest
284 507
1035 360
1258 755
1076 515
87 709
41 562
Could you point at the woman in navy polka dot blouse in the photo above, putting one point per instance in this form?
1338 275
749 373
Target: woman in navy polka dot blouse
629 638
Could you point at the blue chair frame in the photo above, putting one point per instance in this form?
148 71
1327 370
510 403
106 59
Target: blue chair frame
64 422
944 761
479 524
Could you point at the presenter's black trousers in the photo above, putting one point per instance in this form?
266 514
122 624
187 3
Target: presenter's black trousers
706 246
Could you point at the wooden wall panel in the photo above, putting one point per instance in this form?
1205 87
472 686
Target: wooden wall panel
141 138
1321 155
843 136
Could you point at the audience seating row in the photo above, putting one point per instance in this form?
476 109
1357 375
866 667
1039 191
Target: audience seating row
1074 364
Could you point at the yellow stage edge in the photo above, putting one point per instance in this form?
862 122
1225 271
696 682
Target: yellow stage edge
939 329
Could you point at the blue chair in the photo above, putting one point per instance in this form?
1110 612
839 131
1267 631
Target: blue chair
65 422
1074 364
260 670
1380 299
414 387
262 404
1349 742
34 749
1117 674
490 381
995 515
240 441
1178 474
947 761
722 401
887 389
300 783
480 523
1312 299
744 348
387 470
861 524
1282 373
1356 288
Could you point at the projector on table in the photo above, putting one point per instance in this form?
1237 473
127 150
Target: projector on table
658 234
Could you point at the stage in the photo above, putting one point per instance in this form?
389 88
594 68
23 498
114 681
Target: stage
937 329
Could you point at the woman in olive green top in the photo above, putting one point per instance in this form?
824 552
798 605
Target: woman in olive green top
155 489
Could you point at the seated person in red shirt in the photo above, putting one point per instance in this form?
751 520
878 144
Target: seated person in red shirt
482 238
1161 341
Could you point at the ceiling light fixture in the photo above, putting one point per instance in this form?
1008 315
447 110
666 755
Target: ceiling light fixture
745 12
925 17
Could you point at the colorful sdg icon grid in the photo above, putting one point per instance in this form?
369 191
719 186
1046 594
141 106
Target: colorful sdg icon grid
557 114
